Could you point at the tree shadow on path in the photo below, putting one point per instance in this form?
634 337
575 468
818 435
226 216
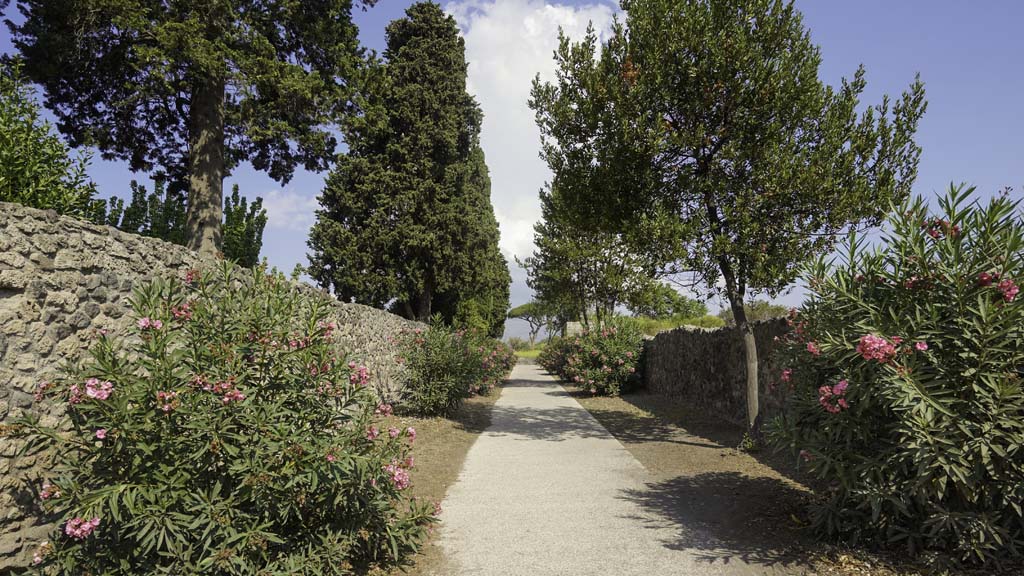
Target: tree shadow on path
725 517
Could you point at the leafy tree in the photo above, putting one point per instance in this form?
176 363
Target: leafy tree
195 87
534 314
755 311
243 229
161 214
406 218
758 161
36 167
663 301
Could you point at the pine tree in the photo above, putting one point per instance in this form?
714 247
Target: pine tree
406 219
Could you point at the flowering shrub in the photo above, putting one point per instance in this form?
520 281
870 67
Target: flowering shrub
906 364
602 361
226 439
447 367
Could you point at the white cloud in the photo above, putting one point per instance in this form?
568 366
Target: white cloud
290 210
509 42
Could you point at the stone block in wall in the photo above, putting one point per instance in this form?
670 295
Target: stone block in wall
708 368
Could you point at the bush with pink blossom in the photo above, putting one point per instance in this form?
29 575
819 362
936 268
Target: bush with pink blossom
602 361
225 434
906 365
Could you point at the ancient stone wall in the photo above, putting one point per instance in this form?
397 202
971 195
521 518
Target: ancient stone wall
708 368
62 279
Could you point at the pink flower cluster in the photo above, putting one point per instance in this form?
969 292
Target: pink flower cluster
384 410
832 398
226 389
360 375
191 276
41 391
1006 286
101 434
149 324
78 528
873 347
372 433
399 475
41 553
787 374
93 389
183 312
167 401
812 347
328 327
49 491
937 227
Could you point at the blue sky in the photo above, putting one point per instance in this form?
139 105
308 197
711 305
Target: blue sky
968 55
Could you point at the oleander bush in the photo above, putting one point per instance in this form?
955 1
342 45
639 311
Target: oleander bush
224 435
906 367
445 367
604 361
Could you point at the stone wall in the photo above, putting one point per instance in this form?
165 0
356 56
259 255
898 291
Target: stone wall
62 279
708 368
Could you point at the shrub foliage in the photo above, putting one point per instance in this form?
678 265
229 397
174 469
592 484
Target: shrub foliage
446 367
602 361
906 365
224 435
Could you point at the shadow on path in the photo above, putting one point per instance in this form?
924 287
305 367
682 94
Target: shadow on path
724 517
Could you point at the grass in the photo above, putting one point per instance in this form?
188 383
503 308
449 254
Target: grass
440 449
753 503
528 354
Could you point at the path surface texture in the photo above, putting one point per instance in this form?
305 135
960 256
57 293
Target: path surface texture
546 490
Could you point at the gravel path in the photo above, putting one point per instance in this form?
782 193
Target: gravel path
546 490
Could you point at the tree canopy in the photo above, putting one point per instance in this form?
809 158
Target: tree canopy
749 159
406 219
195 87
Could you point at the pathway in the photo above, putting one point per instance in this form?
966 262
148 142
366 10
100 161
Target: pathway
546 491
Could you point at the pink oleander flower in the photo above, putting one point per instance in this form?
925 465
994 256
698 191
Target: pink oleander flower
41 391
985 279
787 374
921 346
40 553
101 434
331 457
232 395
399 475
75 394
812 347
831 397
183 312
410 461
191 276
372 433
360 376
411 433
393 432
806 456
873 347
96 389
49 491
78 528
1009 289
384 409
149 324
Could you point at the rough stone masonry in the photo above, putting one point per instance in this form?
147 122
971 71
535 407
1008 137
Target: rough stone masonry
62 279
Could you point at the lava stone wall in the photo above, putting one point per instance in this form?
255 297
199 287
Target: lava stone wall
708 368
61 280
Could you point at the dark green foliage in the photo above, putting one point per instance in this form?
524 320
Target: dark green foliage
445 367
243 229
161 214
195 87
662 301
922 443
36 167
406 218
225 435
755 311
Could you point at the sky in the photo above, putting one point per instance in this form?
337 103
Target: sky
968 55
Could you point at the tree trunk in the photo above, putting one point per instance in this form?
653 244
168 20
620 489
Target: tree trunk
423 304
750 346
206 167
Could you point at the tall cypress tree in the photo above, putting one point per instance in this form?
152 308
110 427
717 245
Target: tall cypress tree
406 218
